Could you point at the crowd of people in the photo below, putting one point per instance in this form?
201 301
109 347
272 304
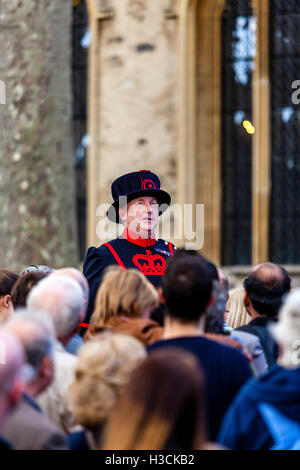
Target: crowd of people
220 371
148 348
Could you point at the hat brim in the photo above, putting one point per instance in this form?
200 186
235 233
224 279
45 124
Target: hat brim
163 198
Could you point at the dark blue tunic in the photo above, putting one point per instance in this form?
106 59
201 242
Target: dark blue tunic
150 260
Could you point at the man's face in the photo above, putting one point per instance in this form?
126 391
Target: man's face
141 216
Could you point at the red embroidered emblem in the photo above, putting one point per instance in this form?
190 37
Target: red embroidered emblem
148 184
154 265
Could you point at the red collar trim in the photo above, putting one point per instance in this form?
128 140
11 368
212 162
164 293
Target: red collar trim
133 238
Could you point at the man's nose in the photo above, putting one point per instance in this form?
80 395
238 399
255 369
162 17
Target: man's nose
148 207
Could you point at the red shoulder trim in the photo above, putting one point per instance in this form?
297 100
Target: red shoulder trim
115 255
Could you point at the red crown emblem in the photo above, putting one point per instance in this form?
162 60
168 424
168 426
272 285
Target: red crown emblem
154 265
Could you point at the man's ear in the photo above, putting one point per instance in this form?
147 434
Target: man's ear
122 214
80 320
16 392
247 300
47 367
212 299
5 300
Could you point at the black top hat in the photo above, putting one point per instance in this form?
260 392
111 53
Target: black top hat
133 185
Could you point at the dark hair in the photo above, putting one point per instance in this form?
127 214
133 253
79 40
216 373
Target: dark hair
23 286
162 407
7 280
214 319
266 294
187 284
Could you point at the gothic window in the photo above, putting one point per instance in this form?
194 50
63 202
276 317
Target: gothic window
237 129
284 219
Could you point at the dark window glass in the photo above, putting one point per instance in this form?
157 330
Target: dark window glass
238 52
80 38
284 233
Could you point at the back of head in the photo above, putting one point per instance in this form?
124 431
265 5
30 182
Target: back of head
162 406
266 285
214 318
24 285
104 367
36 332
7 281
187 285
75 274
287 330
63 299
127 293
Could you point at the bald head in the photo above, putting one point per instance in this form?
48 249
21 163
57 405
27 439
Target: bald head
77 276
269 273
266 285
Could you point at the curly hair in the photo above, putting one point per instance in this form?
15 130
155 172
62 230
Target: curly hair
104 367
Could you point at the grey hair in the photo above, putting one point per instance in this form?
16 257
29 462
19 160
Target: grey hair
62 298
40 344
287 330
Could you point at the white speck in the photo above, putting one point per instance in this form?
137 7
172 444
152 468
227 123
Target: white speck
19 92
24 185
16 157
86 140
17 136
86 39
166 243
22 208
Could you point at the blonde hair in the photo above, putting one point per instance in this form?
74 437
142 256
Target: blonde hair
104 367
121 292
237 313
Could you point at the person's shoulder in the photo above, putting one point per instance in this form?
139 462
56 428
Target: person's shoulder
227 355
192 343
63 357
101 253
30 428
103 247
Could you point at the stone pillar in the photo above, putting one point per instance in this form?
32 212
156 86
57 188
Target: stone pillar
37 193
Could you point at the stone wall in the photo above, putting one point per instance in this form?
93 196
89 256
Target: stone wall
36 169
